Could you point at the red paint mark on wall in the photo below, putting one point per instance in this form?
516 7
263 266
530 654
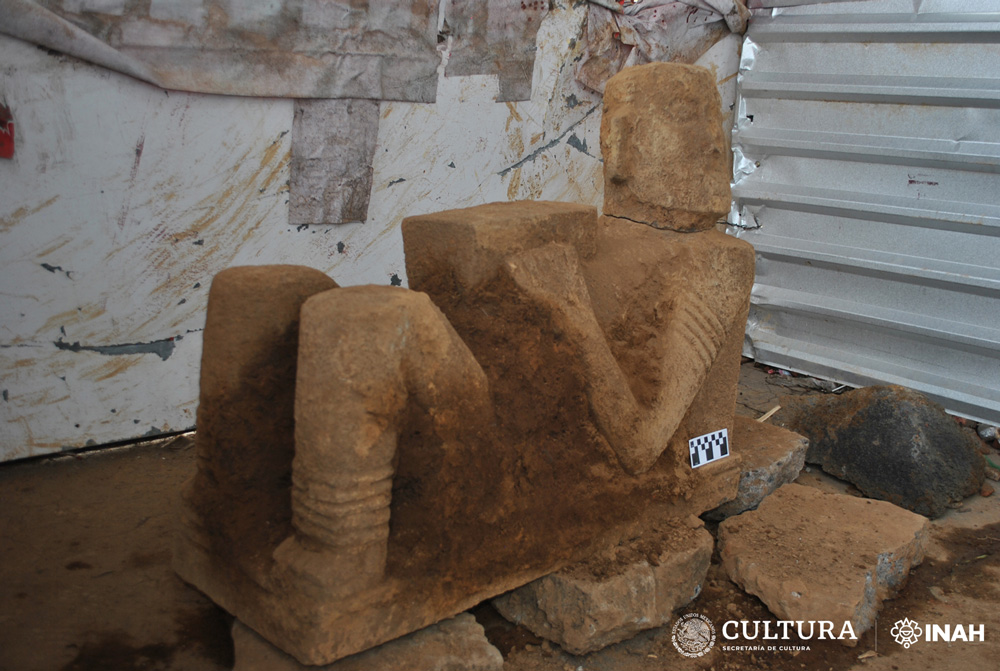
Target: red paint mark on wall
6 132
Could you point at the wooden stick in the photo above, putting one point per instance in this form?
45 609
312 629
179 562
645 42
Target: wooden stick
767 415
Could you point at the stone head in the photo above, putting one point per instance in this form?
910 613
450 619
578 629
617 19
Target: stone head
666 162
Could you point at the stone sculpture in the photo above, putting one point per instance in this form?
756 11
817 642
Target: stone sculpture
374 459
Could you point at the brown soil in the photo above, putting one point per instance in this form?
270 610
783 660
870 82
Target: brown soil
86 583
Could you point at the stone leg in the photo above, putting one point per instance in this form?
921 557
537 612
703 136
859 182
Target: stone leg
245 436
366 355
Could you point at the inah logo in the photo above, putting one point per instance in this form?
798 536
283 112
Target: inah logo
693 635
906 632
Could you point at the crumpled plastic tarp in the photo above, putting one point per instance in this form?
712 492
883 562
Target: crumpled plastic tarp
380 49
653 30
495 37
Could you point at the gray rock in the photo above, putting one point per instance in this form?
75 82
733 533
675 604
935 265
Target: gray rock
987 432
891 442
456 644
772 456
813 555
617 594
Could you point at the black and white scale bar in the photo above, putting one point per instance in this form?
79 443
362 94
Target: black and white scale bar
709 447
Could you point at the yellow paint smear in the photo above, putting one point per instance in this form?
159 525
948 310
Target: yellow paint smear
111 368
514 116
84 314
515 184
23 212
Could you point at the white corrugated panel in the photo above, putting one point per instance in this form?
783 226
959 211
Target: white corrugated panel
867 177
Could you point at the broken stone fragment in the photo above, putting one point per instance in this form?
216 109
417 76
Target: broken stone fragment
616 594
987 432
893 443
457 644
813 555
772 457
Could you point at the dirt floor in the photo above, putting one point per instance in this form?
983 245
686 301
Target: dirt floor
86 583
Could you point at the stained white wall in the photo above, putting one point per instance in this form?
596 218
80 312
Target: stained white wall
123 200
120 203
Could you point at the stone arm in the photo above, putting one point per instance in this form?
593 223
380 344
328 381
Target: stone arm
692 339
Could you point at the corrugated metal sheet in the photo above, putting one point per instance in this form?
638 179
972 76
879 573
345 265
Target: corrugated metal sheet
867 176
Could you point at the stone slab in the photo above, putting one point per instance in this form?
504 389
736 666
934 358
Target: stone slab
772 457
618 593
813 555
457 644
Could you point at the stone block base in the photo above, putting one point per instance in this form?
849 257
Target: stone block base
618 593
457 644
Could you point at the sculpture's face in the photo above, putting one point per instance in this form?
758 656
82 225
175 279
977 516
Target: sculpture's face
665 157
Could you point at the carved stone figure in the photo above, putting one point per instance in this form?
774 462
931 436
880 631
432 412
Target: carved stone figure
374 459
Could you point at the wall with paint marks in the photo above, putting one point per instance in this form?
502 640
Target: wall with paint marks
123 200
120 203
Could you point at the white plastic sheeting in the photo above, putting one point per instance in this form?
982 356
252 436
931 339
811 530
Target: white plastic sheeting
380 49
653 31
866 176
123 201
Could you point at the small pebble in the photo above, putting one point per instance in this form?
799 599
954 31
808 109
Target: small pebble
987 432
986 490
993 474
938 593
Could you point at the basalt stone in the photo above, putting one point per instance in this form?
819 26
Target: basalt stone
813 555
892 443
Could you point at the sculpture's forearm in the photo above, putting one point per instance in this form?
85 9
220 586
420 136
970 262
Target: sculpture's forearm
638 433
